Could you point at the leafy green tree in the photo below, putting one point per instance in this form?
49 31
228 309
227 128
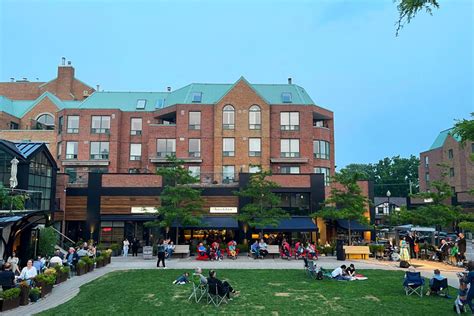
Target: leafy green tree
48 239
262 209
346 201
9 201
465 129
180 202
408 9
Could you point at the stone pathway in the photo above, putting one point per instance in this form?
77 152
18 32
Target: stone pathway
67 290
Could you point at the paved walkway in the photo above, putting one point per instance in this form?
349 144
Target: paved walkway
67 290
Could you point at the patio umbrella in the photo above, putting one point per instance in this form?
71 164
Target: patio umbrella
14 171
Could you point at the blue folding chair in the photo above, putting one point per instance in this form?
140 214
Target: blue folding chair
413 283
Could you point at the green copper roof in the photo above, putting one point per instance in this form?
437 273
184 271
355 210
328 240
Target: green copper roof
439 141
126 101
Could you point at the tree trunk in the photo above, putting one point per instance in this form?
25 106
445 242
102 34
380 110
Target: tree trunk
176 242
350 239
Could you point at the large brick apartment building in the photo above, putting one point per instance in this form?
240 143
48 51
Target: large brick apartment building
109 144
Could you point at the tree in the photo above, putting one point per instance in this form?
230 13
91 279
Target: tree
47 241
10 200
346 201
465 129
408 9
262 209
180 202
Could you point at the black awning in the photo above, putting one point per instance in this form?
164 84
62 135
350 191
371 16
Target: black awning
295 224
355 225
127 217
214 222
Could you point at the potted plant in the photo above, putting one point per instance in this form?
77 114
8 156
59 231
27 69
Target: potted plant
107 254
46 281
24 293
11 299
89 263
99 262
116 249
81 267
35 294
65 270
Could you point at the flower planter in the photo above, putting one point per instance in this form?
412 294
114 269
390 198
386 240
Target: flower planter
90 267
9 304
45 288
34 297
24 295
61 277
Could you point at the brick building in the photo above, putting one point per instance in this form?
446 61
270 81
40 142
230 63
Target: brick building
448 151
221 131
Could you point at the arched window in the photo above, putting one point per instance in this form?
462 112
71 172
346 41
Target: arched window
255 117
45 121
228 120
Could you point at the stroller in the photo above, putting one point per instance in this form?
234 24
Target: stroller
460 302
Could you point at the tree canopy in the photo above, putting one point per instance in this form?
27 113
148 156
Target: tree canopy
465 129
408 9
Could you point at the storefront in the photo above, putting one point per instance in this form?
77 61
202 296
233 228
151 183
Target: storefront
296 228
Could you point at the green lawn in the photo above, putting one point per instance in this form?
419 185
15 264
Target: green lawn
270 292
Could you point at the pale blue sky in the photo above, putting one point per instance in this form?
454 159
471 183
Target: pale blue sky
389 95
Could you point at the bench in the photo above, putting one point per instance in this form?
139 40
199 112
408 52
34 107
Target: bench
182 250
273 250
357 252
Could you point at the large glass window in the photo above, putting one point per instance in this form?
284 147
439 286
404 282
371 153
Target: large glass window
60 124
295 203
325 172
228 119
290 121
194 147
112 232
290 148
228 149
194 120
321 149
100 125
71 150
45 121
255 117
40 179
228 174
166 147
99 150
135 151
195 171
289 169
255 149
73 124
136 126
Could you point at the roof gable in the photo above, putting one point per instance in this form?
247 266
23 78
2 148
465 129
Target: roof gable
441 138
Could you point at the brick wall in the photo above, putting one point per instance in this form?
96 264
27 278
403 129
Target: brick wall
131 180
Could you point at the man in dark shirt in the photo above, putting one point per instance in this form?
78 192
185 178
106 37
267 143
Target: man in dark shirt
222 288
411 242
461 246
7 277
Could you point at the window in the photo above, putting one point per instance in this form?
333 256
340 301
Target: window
133 170
427 176
45 121
194 147
427 162
99 150
112 232
71 150
166 147
320 123
453 190
194 120
196 97
290 121
14 125
290 148
60 124
136 126
228 119
289 169
100 125
228 147
255 147
228 174
321 149
325 172
451 172
450 154
295 203
255 117
195 171
254 169
160 103
73 124
141 103
40 180
72 173
135 151
59 150
286 97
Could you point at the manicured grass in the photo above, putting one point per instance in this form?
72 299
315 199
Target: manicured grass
270 292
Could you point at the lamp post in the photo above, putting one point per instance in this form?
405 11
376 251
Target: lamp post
388 204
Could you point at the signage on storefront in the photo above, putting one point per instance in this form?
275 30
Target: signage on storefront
143 209
223 210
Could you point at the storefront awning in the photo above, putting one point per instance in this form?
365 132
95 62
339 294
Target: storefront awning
215 222
295 224
7 220
355 225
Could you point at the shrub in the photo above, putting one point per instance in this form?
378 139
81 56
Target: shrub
87 260
35 291
81 263
11 293
47 241
107 253
115 247
50 271
65 269
46 279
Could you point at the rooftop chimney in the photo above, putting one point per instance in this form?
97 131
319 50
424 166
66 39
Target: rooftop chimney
63 61
98 87
69 63
168 89
289 80
12 79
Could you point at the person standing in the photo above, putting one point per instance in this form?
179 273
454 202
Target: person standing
461 246
135 246
14 261
126 244
404 253
411 243
161 253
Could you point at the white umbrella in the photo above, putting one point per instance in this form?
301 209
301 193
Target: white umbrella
14 171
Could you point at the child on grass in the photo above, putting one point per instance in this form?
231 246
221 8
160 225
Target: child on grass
182 279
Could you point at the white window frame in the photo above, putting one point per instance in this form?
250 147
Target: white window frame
228 147
69 128
290 121
72 149
255 147
228 117
255 117
135 130
290 148
102 154
169 142
194 125
135 151
194 153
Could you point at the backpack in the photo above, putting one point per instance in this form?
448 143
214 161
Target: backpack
404 264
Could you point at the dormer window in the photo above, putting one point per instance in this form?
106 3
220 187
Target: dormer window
160 103
141 103
286 97
197 97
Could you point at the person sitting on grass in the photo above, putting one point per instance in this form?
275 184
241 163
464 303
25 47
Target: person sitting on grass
202 250
254 249
350 271
262 248
182 279
436 276
222 287
338 273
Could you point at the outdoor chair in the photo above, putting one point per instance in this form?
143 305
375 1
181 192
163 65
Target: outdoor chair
214 297
229 255
312 269
199 289
413 283
440 287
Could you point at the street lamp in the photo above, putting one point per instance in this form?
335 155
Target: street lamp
388 200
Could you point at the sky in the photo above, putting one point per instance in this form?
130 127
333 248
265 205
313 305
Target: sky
390 95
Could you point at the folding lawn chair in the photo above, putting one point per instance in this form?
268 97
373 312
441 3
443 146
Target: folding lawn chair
440 287
312 269
199 289
413 283
214 297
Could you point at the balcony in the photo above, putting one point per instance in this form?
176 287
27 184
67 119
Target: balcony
162 156
91 162
217 179
289 157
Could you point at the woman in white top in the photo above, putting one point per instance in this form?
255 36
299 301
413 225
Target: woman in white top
126 244
13 260
29 272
